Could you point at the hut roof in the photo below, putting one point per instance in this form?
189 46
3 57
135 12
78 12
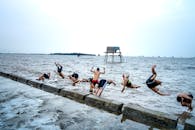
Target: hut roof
112 49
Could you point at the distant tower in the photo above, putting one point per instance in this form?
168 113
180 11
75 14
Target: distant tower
112 52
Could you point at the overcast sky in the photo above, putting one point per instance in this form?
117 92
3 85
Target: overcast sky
138 27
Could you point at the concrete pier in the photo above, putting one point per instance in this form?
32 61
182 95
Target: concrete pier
75 95
105 104
21 80
130 111
190 124
158 119
50 89
33 84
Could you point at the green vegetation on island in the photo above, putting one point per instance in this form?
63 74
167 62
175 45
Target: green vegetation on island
77 54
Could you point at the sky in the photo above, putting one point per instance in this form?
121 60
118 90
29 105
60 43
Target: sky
138 27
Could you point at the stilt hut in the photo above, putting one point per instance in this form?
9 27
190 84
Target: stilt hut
112 53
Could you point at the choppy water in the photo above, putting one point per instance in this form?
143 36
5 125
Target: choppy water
177 75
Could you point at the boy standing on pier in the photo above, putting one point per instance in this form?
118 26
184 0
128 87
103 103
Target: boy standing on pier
95 77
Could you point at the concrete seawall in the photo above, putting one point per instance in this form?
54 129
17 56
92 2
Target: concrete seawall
158 119
75 95
129 111
105 104
190 124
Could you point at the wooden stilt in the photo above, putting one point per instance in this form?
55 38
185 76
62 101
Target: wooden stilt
113 52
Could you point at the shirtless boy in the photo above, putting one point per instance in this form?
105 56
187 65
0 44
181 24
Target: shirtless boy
95 77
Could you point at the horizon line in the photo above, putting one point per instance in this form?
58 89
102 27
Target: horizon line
95 54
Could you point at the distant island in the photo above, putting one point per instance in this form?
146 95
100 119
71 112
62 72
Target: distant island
77 54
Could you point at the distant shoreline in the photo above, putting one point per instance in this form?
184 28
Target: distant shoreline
77 54
176 57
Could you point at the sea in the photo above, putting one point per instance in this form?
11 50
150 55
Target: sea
177 76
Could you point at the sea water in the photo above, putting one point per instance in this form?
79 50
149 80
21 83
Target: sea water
177 76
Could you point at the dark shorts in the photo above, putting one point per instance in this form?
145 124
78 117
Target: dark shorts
59 69
102 83
151 83
128 84
46 76
75 75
